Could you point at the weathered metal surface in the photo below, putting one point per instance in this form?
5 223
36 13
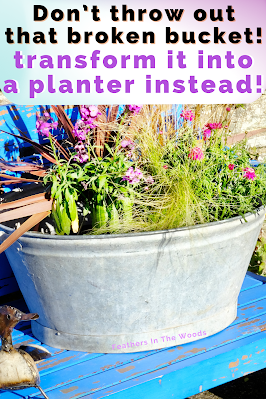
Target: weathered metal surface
97 293
179 371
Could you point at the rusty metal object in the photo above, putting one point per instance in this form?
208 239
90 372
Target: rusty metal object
19 370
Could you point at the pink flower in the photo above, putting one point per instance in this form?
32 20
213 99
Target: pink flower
89 111
196 153
54 125
214 126
93 111
165 166
133 176
249 173
127 143
206 134
231 166
135 108
149 180
187 114
228 109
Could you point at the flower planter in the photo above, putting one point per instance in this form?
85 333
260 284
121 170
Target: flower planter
134 292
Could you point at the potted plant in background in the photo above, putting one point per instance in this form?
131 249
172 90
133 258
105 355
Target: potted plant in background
155 227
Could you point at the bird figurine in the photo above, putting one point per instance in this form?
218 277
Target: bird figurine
17 368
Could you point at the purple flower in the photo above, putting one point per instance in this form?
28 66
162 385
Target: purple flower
81 129
43 126
135 108
89 115
82 154
133 176
91 122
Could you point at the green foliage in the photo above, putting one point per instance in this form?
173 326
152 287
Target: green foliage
257 262
98 185
187 188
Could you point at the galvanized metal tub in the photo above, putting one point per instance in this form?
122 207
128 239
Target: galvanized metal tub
134 292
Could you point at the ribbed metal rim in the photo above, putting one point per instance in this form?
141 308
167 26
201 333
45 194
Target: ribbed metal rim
145 233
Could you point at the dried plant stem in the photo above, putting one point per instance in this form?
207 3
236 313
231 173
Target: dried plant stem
31 222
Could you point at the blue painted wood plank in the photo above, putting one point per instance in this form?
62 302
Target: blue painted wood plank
192 376
256 276
8 285
155 361
250 282
59 366
250 311
16 334
86 365
65 360
54 351
252 295
25 340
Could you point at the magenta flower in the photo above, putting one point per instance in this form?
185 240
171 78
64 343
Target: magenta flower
165 166
43 126
91 122
133 176
187 114
249 173
135 108
228 109
214 126
206 134
196 153
231 166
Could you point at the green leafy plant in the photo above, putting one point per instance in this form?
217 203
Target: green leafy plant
257 262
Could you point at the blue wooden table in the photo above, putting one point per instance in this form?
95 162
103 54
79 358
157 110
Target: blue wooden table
176 372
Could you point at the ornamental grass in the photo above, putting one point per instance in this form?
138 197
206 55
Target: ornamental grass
140 168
